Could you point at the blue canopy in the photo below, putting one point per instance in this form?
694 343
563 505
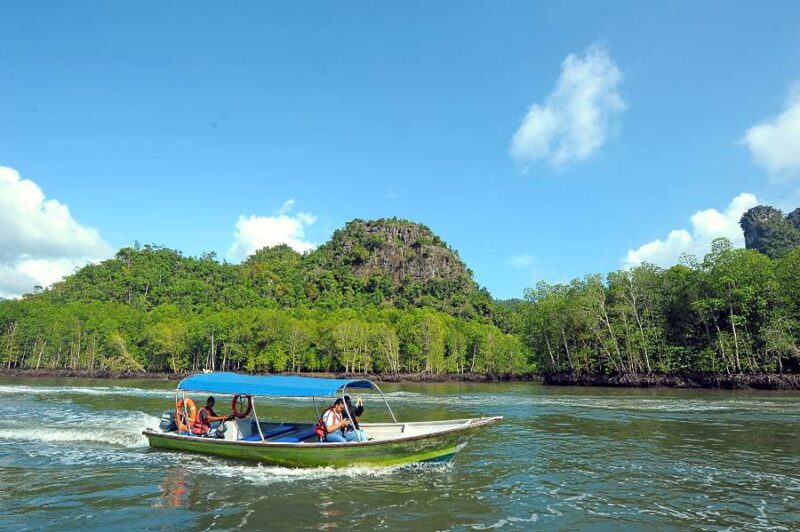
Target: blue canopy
269 385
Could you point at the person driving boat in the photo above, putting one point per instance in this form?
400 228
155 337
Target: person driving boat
206 416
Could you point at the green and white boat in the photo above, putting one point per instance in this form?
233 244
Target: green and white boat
296 444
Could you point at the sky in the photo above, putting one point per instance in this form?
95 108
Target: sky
542 140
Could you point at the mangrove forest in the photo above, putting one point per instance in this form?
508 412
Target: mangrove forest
390 297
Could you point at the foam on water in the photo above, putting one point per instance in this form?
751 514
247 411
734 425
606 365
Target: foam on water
402 394
510 521
627 403
53 434
124 430
82 390
261 475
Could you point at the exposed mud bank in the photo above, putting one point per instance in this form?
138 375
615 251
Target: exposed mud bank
683 380
87 374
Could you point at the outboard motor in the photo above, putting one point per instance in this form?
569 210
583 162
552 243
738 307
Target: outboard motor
167 423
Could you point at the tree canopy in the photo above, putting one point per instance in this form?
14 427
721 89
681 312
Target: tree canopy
381 296
388 296
734 312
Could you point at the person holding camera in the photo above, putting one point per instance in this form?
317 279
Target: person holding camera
336 424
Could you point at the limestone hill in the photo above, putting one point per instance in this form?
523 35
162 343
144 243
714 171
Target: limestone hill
767 230
380 263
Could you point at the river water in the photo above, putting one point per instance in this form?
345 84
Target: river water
72 456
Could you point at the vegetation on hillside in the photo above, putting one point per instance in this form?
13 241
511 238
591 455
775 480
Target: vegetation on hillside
388 296
383 263
382 296
767 230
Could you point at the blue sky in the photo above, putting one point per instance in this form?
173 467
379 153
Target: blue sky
193 125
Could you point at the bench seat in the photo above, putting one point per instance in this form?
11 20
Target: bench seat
277 431
297 438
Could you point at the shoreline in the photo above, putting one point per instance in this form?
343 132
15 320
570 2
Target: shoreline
403 377
711 381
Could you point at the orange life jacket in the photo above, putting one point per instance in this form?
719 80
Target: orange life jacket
202 424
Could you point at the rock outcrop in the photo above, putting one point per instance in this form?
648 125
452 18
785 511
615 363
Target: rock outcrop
402 251
767 230
407 262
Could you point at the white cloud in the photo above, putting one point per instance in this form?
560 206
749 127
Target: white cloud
576 118
40 241
521 261
288 205
706 226
255 232
775 144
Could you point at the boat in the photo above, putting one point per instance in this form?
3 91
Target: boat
297 444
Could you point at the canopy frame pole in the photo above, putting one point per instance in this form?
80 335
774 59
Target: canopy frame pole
386 402
314 397
258 425
175 415
350 416
186 414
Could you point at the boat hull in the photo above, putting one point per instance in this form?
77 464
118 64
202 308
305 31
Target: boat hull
438 446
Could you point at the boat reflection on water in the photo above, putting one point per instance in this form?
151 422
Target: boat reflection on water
327 510
176 487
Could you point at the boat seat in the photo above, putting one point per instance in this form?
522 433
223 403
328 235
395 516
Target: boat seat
297 438
277 431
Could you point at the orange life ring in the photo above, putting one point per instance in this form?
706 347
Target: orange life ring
185 425
235 407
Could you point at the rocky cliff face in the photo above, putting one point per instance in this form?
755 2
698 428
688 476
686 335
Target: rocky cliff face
767 230
407 262
402 251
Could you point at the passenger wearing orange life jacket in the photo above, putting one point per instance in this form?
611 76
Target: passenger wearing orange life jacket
206 416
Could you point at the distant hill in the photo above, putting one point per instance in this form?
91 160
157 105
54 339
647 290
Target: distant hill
380 263
404 262
767 230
